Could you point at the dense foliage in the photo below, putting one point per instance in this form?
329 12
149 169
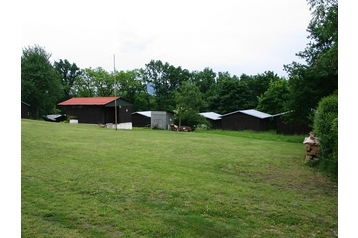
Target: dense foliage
326 127
70 73
309 83
40 82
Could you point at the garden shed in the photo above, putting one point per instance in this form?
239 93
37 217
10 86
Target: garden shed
213 118
25 110
289 128
161 119
94 110
246 120
141 119
153 119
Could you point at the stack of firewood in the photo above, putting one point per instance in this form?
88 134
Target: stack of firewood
312 147
102 125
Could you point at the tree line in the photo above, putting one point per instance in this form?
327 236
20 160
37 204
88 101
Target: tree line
175 89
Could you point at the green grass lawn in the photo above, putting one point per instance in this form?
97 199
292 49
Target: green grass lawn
85 181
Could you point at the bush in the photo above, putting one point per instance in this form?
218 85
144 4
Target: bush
325 126
193 119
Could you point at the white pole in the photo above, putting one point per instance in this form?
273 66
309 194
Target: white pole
115 101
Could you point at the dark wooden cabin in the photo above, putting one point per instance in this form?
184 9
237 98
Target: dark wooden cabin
141 119
94 110
246 120
213 118
25 110
289 128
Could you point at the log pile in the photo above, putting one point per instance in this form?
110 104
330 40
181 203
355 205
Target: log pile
312 147
102 125
174 127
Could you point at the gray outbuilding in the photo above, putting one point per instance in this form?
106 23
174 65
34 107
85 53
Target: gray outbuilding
154 119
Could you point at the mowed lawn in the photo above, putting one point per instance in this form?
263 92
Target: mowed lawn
85 181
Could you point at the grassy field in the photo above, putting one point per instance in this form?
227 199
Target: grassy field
85 181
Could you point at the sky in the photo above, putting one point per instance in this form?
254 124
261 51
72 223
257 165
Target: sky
235 36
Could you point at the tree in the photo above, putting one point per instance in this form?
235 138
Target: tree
40 82
84 85
206 82
70 73
273 100
166 79
230 94
157 74
319 77
94 83
132 88
204 79
257 85
103 82
188 102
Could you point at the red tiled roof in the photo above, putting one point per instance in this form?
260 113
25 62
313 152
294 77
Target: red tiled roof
88 101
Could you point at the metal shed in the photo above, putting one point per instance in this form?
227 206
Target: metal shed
153 119
161 119
214 119
246 120
141 119
25 110
289 128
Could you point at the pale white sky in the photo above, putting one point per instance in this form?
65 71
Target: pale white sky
230 35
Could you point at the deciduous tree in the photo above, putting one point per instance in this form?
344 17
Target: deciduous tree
273 100
188 103
40 82
318 78
70 73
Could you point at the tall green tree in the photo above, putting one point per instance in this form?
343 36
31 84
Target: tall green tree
157 74
204 79
188 103
166 79
206 82
40 82
84 86
273 100
132 88
103 82
70 73
94 83
258 84
319 76
230 95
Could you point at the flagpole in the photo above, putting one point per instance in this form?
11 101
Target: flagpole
115 100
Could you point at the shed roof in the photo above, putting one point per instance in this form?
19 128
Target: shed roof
88 101
25 103
279 114
144 113
251 112
211 115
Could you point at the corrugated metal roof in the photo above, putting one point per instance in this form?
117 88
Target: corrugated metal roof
25 103
144 113
88 101
251 112
279 114
211 115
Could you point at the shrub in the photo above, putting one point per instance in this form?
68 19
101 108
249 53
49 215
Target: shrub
193 119
325 126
